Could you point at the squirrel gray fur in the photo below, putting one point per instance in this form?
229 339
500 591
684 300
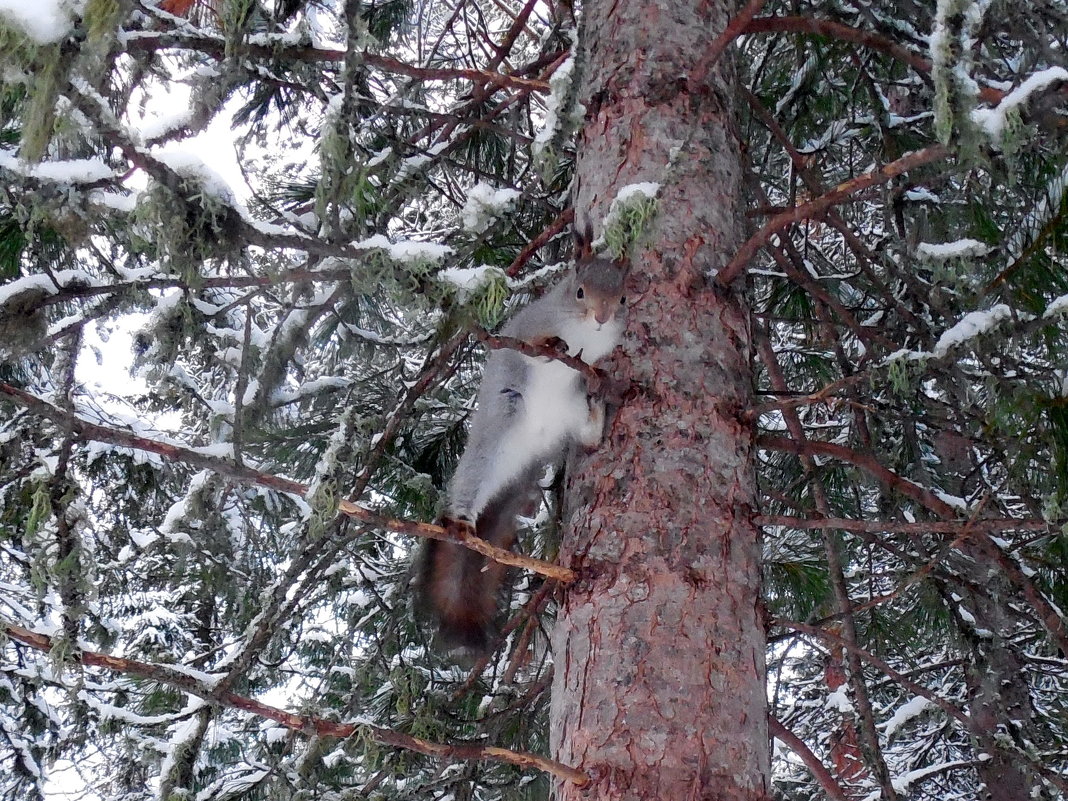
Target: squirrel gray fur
530 410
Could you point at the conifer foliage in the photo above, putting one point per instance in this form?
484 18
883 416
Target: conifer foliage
247 254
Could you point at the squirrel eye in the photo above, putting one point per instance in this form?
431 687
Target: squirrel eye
623 301
580 294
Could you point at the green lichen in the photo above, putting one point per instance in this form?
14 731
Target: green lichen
626 222
102 18
40 121
16 49
487 301
902 373
189 226
955 90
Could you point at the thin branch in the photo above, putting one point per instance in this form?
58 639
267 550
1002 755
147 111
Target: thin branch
217 47
734 29
307 724
866 462
837 30
594 377
246 475
555 227
815 208
903 527
812 762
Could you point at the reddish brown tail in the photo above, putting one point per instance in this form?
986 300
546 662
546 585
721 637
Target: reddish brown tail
460 586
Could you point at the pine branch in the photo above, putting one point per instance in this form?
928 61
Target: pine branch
216 47
903 527
815 208
1050 616
307 724
246 475
866 462
913 687
836 30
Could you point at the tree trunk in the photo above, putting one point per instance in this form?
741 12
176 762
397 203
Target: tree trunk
659 689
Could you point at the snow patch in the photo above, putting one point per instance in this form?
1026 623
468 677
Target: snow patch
961 249
72 171
43 21
839 701
559 86
992 120
484 204
970 326
468 279
406 251
904 714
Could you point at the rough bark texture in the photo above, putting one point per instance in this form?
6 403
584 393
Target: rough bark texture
659 689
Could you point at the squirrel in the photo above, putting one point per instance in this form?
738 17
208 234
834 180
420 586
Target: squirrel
529 411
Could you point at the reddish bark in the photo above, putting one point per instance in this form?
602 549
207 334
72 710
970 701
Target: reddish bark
659 690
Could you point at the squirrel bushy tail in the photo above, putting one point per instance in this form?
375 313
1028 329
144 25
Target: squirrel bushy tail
460 586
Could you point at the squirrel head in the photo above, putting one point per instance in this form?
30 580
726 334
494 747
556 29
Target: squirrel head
597 283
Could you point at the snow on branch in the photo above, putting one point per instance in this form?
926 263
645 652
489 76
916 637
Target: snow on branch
993 120
969 327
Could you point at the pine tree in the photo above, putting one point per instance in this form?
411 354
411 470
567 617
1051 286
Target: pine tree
206 564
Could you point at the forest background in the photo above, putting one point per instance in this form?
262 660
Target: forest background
853 217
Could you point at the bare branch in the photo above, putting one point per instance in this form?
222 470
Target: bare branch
866 462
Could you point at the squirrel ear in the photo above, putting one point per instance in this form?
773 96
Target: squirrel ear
584 242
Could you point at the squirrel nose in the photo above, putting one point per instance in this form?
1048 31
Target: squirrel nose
603 315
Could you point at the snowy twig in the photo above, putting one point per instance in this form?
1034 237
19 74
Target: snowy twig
246 475
307 724
877 663
917 689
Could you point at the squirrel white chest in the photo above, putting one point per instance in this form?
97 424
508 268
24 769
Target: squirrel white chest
554 400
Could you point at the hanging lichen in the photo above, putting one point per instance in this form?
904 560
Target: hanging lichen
40 120
101 19
955 90
902 373
189 226
16 50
